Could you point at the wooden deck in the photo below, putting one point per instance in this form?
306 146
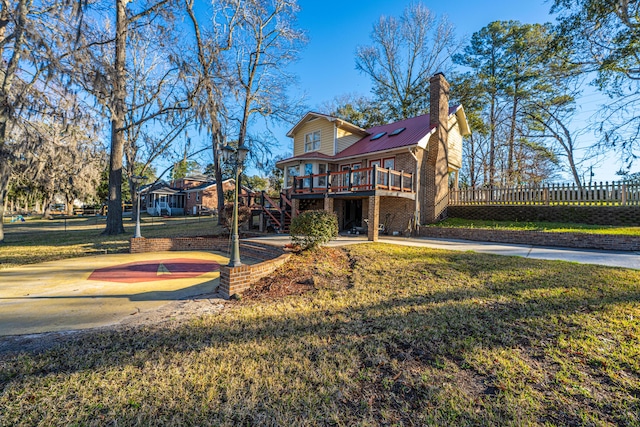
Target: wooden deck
356 182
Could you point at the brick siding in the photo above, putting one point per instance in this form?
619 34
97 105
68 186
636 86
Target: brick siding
397 213
599 215
539 238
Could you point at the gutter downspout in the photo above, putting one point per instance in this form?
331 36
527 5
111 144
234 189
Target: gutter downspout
416 211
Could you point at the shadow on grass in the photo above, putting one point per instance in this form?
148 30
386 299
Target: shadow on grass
451 307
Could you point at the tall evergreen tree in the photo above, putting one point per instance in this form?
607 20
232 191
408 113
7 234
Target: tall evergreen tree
604 35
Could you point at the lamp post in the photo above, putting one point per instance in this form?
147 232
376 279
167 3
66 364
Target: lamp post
137 180
234 157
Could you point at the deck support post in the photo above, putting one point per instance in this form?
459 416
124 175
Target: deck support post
374 218
328 203
295 206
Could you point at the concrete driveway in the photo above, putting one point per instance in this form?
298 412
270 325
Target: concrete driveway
100 290
581 256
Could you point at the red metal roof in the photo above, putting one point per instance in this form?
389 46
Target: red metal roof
313 155
416 128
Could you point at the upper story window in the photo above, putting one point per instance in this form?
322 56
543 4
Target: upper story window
312 141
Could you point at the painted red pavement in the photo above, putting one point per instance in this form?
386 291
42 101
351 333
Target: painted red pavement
148 271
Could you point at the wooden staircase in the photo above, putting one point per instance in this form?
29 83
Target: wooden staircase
277 214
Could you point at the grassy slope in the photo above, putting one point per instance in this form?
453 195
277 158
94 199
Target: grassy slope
554 227
39 240
391 335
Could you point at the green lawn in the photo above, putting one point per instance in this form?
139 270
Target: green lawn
388 336
38 240
553 227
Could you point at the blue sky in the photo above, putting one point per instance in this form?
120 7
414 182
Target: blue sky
335 28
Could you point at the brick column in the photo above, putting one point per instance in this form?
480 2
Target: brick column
328 204
435 170
374 218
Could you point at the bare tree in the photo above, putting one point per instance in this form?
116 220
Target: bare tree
69 163
102 69
157 100
30 35
210 42
265 42
360 110
405 53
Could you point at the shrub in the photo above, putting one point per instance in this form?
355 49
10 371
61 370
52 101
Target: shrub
313 228
244 215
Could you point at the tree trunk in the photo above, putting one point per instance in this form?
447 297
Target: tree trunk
4 185
472 164
512 139
47 207
114 215
492 146
5 161
217 142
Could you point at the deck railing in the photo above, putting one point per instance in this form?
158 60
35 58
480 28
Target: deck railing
615 193
355 180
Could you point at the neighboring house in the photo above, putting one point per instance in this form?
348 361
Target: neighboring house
191 195
393 176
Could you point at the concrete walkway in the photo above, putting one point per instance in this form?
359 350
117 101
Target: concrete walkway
582 256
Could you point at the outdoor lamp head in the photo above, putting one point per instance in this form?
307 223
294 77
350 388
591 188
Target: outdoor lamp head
227 152
242 153
138 179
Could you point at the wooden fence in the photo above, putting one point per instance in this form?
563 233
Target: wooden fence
597 194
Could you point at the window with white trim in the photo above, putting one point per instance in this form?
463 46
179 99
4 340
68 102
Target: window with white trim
292 172
312 141
322 169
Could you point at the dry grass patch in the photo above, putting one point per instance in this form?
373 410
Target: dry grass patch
40 240
383 335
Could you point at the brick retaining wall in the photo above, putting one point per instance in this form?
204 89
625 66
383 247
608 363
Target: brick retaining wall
539 238
142 244
236 280
599 215
233 280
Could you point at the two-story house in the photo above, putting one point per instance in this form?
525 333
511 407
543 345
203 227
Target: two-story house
390 177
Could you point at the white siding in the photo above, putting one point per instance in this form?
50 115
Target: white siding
454 145
346 139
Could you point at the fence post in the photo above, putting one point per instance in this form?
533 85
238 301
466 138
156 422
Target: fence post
623 195
545 192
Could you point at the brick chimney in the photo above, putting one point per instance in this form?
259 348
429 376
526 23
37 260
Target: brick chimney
435 168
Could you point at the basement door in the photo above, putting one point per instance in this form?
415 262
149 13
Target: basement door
352 214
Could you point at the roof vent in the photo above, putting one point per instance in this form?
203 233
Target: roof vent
397 131
377 136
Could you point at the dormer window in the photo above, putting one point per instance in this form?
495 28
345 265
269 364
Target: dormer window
312 141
